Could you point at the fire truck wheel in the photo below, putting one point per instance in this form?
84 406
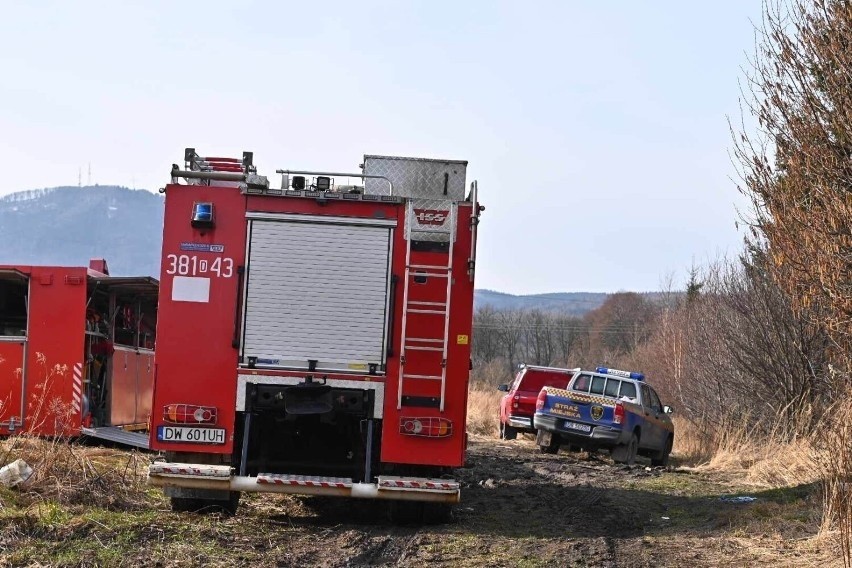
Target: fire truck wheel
185 505
436 513
229 506
507 432
406 512
224 506
626 453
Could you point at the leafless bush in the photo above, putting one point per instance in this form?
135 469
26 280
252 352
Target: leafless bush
797 169
797 172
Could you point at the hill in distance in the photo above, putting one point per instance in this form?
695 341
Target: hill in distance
67 226
570 303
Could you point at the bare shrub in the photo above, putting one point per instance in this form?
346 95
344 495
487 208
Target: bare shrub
797 171
489 374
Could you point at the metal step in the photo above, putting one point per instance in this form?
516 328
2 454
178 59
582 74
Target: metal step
430 266
419 311
425 303
116 434
303 480
427 274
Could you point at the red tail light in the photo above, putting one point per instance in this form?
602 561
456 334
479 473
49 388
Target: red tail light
517 400
189 414
618 414
542 397
427 427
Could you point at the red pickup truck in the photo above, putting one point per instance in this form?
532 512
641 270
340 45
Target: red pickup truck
517 407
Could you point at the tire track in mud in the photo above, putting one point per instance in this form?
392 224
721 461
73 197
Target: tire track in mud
517 506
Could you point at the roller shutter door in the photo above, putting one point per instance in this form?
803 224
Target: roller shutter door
316 291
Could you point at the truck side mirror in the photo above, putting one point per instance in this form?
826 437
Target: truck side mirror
668 409
503 388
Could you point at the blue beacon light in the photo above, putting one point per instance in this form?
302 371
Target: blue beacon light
202 215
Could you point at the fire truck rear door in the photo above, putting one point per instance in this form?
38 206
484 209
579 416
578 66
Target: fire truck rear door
14 308
317 289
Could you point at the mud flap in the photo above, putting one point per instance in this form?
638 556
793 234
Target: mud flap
548 443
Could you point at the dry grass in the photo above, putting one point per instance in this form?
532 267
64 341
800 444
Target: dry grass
822 456
70 473
483 399
692 444
764 460
483 405
834 462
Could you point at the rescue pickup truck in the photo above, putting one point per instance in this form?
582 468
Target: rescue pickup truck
605 409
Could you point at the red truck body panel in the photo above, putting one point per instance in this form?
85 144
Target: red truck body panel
198 356
44 364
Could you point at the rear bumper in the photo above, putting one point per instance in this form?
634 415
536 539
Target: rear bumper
600 436
522 422
198 476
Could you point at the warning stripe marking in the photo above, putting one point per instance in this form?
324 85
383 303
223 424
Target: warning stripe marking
415 484
189 470
304 481
77 386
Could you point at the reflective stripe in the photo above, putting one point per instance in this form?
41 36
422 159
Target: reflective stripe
303 480
580 396
416 483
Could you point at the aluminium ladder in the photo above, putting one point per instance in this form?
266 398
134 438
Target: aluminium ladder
412 344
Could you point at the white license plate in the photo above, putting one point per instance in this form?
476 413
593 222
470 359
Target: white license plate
575 426
191 435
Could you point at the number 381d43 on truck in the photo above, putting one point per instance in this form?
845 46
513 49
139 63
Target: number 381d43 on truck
314 337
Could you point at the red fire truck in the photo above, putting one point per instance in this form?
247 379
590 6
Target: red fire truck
314 338
76 352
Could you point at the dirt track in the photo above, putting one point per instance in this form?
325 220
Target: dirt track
521 507
518 507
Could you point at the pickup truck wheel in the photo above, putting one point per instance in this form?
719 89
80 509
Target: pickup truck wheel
662 457
626 453
507 432
551 448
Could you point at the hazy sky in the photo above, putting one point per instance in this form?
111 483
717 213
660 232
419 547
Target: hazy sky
597 130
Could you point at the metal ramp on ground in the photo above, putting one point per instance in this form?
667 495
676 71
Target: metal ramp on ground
117 435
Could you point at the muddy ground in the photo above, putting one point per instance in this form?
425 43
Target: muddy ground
519 508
